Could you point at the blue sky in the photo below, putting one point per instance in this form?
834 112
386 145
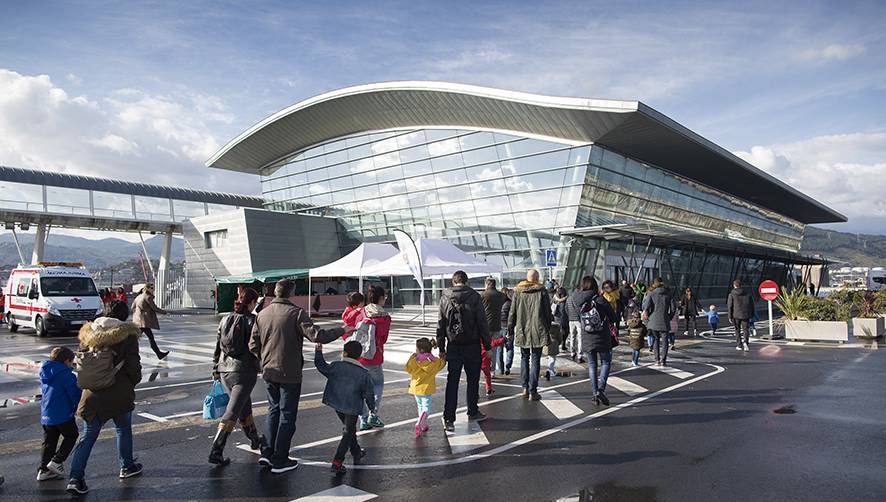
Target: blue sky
148 90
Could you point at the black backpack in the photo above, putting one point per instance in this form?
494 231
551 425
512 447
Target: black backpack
234 339
458 324
591 318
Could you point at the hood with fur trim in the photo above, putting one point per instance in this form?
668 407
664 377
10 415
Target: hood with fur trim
106 332
530 287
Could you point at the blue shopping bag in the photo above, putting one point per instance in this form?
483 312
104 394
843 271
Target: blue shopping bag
216 402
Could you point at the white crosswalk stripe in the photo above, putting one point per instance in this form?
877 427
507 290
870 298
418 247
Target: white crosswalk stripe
561 407
340 493
467 435
629 388
670 370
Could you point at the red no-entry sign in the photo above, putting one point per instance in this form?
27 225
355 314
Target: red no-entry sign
768 290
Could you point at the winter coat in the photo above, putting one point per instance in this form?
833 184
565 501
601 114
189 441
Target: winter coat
626 293
144 312
379 323
505 312
689 306
348 385
246 362
472 308
352 316
60 394
636 334
660 307
278 337
556 338
122 339
493 300
424 374
600 341
740 305
713 317
575 301
530 318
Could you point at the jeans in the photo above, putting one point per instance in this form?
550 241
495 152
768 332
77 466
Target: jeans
691 320
605 363
91 429
672 339
661 355
377 375
741 328
469 358
714 327
650 340
530 367
282 413
575 337
498 354
635 356
348 437
423 404
51 433
504 361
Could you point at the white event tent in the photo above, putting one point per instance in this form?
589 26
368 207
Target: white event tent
355 263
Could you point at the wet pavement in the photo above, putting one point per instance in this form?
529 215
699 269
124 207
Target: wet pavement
776 423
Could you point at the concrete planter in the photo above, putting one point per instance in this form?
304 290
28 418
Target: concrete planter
868 328
829 331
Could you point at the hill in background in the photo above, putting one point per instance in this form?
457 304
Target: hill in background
845 249
95 254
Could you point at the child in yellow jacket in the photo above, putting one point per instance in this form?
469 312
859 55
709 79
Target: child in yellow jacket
423 368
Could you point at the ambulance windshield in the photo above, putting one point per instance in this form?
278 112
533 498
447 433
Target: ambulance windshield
67 286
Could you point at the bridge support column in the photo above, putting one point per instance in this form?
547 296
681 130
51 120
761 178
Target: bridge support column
162 270
39 244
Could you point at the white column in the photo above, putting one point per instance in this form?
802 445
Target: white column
39 244
162 269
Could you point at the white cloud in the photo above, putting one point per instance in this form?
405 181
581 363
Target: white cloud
846 172
74 79
130 135
834 52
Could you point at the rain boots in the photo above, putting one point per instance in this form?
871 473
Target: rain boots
256 440
217 453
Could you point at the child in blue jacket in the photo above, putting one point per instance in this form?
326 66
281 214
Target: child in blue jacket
713 319
61 395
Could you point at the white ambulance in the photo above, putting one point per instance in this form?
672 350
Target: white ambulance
50 296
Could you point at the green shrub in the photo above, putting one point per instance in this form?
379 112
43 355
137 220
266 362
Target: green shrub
791 303
824 309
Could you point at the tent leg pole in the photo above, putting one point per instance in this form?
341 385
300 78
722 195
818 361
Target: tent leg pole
309 295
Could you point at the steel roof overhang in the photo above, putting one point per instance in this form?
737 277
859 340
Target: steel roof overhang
672 238
629 127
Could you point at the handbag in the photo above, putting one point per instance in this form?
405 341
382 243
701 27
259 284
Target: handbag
216 402
614 333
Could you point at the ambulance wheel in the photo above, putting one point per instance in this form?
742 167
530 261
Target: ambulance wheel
10 321
39 327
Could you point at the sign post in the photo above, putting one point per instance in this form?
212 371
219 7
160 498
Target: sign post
551 261
769 291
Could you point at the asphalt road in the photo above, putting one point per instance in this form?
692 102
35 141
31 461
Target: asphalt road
704 431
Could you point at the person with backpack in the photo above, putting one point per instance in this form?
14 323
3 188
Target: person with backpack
109 368
372 333
597 320
277 341
658 310
461 330
237 368
573 308
144 315
60 397
530 322
740 308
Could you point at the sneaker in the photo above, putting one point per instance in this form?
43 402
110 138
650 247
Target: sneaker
57 468
287 465
418 430
596 400
663 363
364 425
525 393
338 469
603 398
581 359
46 475
477 417
535 396
745 347
547 375
374 421
423 421
508 371
738 348
130 472
265 458
490 391
448 426
77 487
359 455
634 365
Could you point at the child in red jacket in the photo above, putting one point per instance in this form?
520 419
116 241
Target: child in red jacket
353 314
486 365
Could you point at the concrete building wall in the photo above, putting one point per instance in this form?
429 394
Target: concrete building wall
203 264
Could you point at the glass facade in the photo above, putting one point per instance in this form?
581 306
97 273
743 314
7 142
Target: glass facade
507 198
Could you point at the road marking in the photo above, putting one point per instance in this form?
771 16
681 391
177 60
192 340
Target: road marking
341 493
154 417
192 348
169 386
629 388
561 407
467 436
670 370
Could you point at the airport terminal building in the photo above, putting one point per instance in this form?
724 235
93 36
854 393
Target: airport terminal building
615 188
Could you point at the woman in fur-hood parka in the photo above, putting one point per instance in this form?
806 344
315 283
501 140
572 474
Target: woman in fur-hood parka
122 338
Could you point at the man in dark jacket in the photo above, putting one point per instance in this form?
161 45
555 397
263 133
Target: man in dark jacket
740 306
461 329
277 339
573 309
659 308
530 322
493 300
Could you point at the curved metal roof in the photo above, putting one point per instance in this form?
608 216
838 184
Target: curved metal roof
30 176
629 127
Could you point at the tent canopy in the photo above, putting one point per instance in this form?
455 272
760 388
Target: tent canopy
264 276
355 264
438 257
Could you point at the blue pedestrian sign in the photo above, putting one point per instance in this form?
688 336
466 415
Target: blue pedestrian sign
551 257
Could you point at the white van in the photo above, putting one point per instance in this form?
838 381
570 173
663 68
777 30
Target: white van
50 296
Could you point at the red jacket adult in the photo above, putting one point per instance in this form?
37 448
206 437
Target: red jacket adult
379 323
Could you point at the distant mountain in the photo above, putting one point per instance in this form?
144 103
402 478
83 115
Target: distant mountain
841 248
95 254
